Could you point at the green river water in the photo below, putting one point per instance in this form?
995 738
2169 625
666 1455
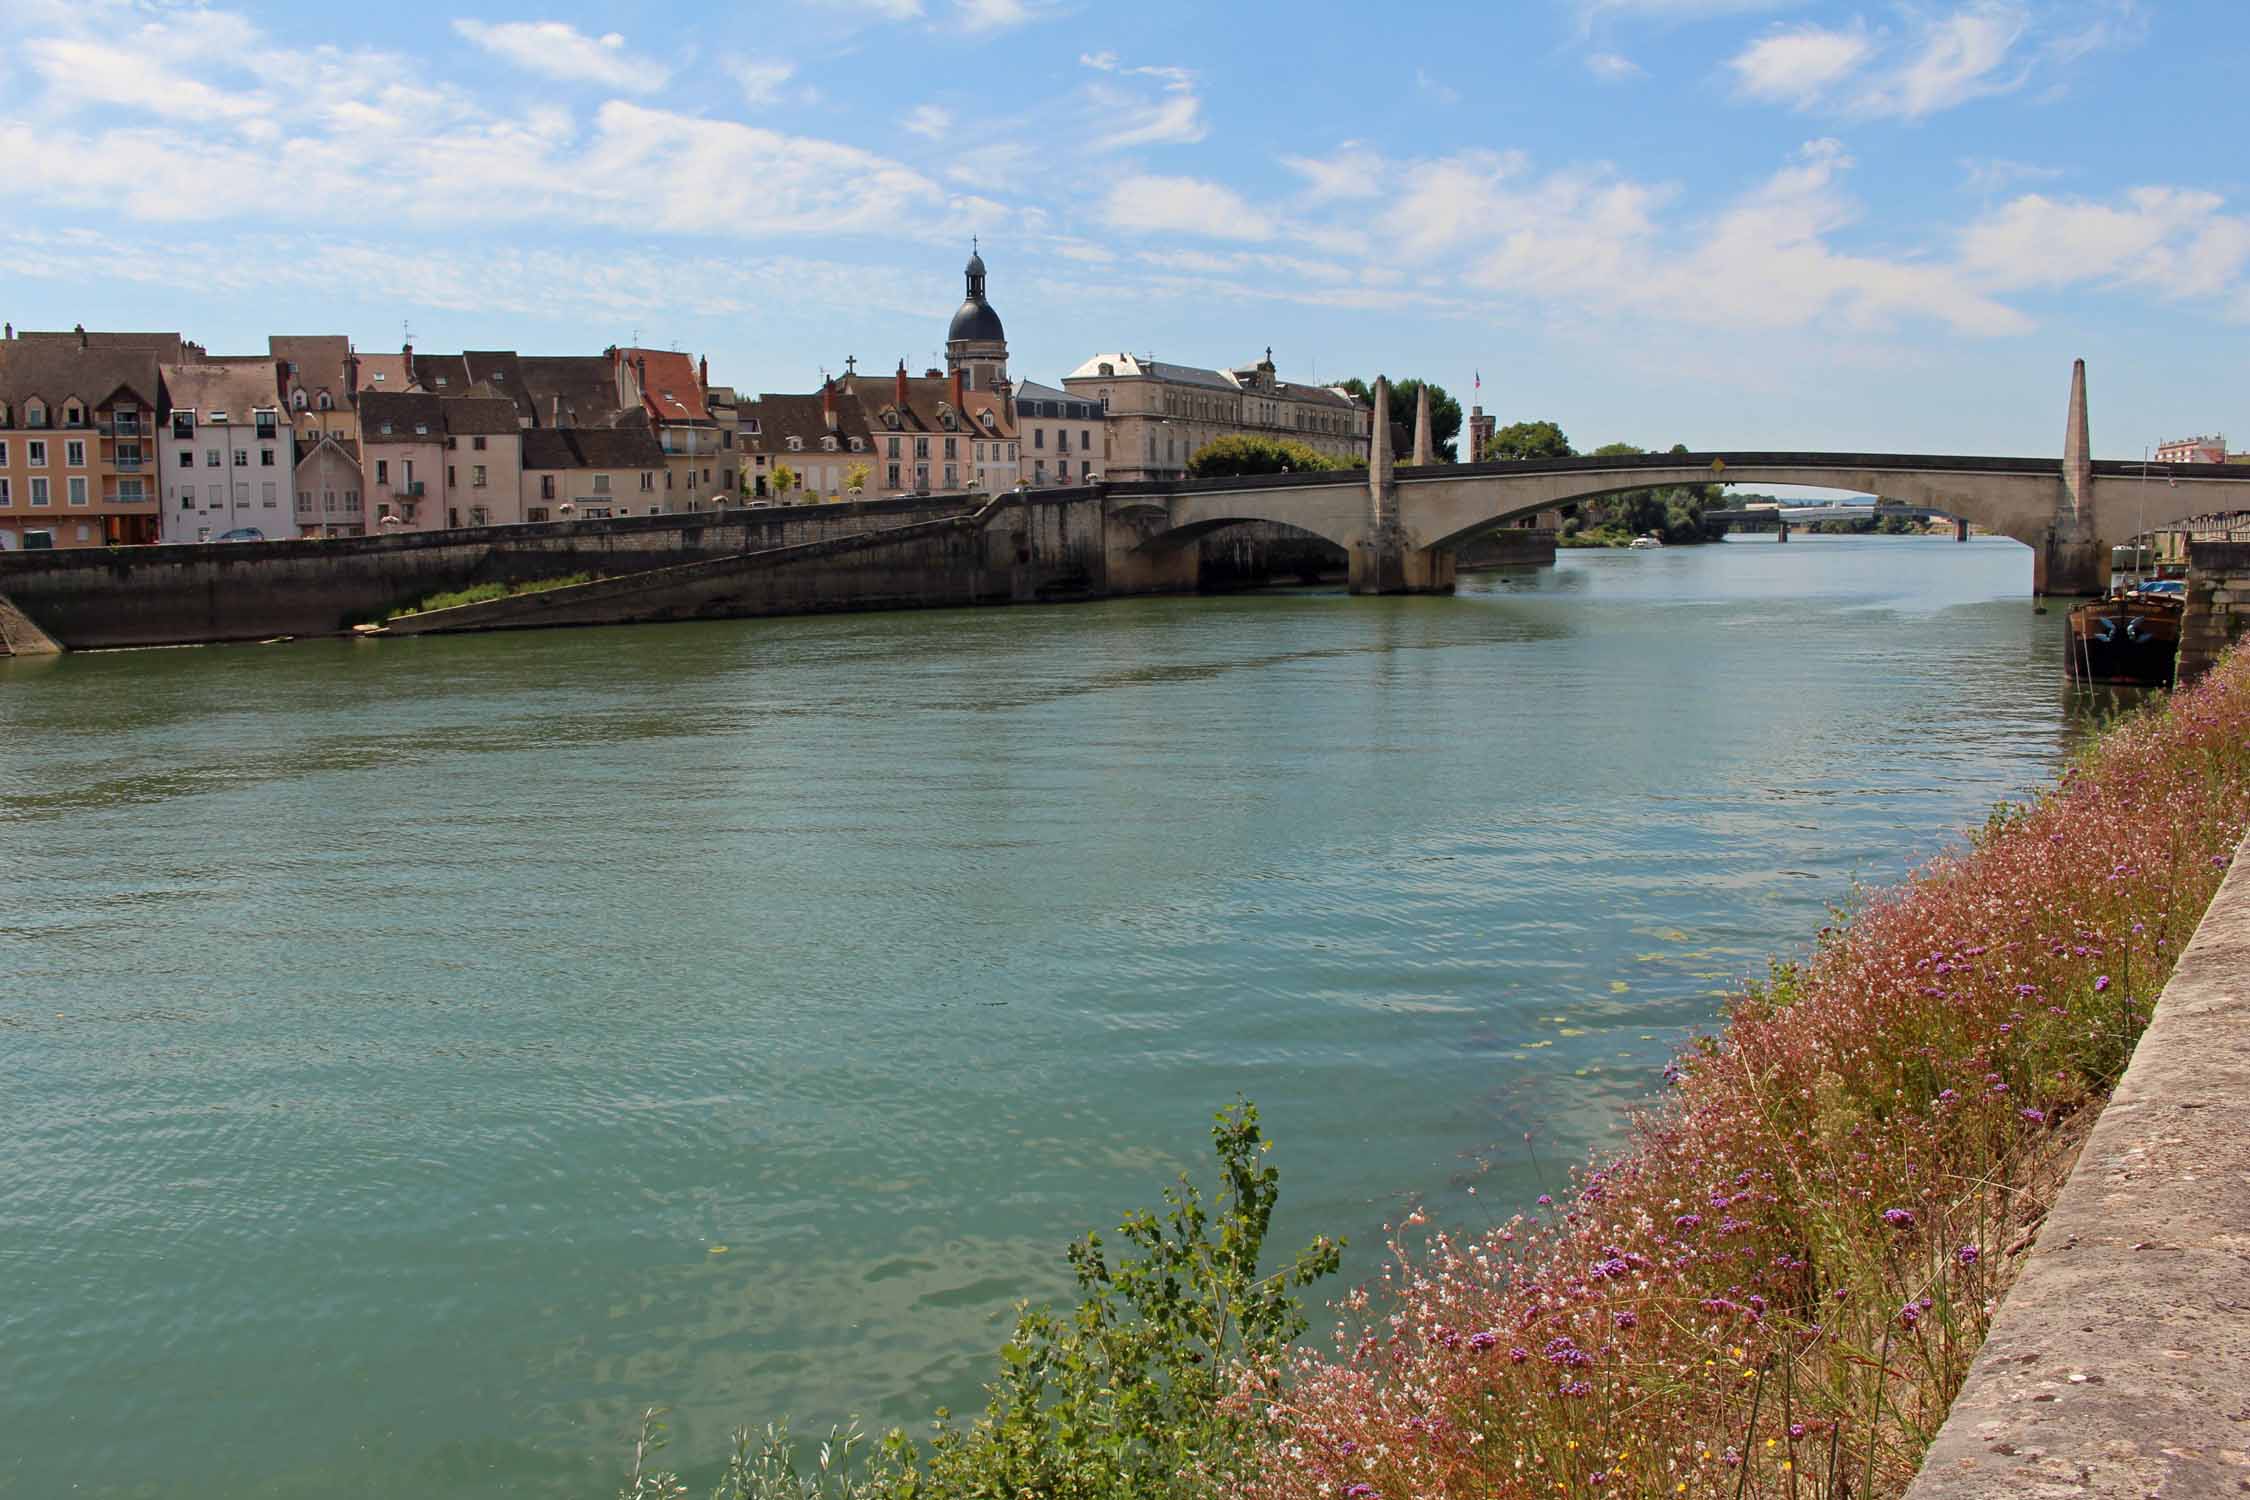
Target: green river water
421 1055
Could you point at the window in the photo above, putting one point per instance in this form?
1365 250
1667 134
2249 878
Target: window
183 424
265 420
546 486
891 451
1038 437
129 492
187 458
34 414
796 444
327 404
891 477
265 458
952 447
656 510
297 400
85 532
828 445
538 513
351 501
601 483
479 516
3 455
304 499
921 447
648 480
751 427
382 471
242 458
78 489
477 443
39 490
1062 469
266 497
35 454
452 477
187 497
950 481
212 458
422 428
74 416
7 496
476 474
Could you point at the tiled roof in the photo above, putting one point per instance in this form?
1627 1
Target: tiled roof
925 394
670 388
631 447
384 372
780 418
444 374
55 370
584 384
501 370
480 414
1077 408
167 347
236 386
393 416
1124 366
310 452
319 358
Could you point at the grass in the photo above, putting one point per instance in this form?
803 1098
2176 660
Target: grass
1777 1288
484 593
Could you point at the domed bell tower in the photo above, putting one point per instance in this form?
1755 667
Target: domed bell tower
976 345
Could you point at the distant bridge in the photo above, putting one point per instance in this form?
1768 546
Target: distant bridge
1813 515
1401 524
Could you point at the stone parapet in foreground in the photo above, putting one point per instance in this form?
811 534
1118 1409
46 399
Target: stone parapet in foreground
2119 1363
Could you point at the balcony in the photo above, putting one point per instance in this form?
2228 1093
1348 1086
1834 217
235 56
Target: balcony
117 497
412 490
128 465
125 427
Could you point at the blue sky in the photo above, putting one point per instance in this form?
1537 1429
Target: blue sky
1725 222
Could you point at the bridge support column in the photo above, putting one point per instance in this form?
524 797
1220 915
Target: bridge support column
1377 568
2073 558
2069 568
1960 531
1784 525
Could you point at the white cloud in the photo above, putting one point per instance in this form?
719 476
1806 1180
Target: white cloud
1995 174
1187 205
1174 118
557 49
929 120
1443 93
1612 67
1799 65
995 15
886 10
2174 241
1956 59
79 72
1354 172
764 83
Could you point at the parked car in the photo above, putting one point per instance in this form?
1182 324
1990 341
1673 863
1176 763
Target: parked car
241 534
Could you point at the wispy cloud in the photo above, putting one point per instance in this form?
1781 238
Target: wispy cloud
764 82
1443 93
1173 118
1800 65
930 120
557 49
1995 174
1185 205
1612 67
1354 172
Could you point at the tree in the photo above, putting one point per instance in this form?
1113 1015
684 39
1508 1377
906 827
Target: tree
1522 440
1256 455
855 477
784 480
1445 411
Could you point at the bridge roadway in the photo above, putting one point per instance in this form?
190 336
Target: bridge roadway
1401 524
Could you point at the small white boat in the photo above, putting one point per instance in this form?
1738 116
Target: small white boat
1640 542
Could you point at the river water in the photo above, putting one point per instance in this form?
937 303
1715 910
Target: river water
422 1055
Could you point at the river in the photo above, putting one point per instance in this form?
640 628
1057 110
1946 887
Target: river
421 1055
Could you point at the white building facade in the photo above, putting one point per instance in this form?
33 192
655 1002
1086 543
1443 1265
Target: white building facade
226 457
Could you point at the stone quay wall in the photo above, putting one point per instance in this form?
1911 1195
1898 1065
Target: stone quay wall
1050 545
2118 1366
2218 605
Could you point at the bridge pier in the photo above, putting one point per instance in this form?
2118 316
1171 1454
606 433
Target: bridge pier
2070 568
1784 525
1960 531
1380 569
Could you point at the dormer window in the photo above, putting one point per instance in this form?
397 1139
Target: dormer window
385 429
74 415
34 413
297 400
890 417
217 416
423 427
856 445
987 417
753 425
796 444
828 445
1108 372
183 424
441 382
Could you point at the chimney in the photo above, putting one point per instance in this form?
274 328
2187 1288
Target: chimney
902 385
80 330
8 333
828 402
958 391
351 372
703 371
556 423
640 373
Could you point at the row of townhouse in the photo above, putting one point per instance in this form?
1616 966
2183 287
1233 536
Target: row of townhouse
126 438
155 439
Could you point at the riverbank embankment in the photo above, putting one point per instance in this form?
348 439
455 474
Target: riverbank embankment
1781 1285
1048 546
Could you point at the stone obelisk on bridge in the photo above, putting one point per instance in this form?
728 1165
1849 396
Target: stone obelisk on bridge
2076 558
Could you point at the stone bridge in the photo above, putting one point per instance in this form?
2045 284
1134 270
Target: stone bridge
1402 523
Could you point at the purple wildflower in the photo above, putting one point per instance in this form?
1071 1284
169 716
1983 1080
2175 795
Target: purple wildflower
1628 1319
2035 1116
1968 1255
1482 1341
1899 1218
